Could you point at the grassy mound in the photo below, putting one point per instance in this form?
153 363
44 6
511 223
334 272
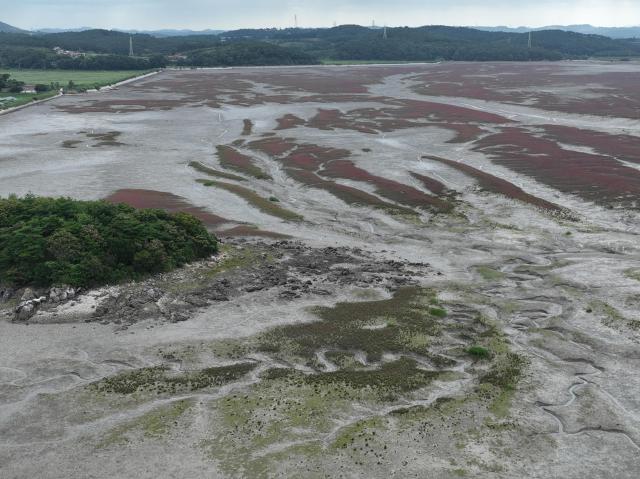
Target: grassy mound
47 241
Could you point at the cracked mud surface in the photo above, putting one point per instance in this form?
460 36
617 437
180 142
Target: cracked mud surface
423 318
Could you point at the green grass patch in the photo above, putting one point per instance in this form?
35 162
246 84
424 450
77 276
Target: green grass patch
611 317
263 204
499 383
389 380
81 78
633 273
19 99
160 380
153 425
490 274
366 429
438 312
235 258
409 323
233 159
196 165
479 352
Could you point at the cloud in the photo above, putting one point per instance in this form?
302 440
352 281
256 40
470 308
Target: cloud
224 14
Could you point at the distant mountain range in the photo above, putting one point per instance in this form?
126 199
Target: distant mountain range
611 32
6 28
155 33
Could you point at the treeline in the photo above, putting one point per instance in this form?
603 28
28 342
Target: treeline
10 84
247 53
111 42
108 50
352 42
38 58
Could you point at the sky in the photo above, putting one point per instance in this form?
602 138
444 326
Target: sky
226 15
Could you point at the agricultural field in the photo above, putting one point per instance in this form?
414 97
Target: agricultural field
426 270
10 100
82 80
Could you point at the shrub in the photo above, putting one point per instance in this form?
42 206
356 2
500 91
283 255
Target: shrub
47 241
479 352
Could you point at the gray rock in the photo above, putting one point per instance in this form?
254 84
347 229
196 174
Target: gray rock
27 295
6 294
62 293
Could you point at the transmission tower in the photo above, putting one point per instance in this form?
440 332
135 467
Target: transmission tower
384 33
530 41
295 20
130 45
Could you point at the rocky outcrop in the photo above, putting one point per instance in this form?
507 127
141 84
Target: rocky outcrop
288 270
62 293
31 301
28 308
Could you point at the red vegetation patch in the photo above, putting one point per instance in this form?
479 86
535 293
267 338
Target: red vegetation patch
177 204
583 89
402 114
393 190
432 185
596 178
348 194
273 146
332 80
302 162
120 106
464 132
499 186
289 121
231 158
163 201
625 147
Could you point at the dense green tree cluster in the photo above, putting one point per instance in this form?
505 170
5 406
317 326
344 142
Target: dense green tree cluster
38 58
111 42
47 241
247 53
9 84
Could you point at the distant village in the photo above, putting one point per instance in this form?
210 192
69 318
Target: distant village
68 53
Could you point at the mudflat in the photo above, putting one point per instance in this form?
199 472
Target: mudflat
427 271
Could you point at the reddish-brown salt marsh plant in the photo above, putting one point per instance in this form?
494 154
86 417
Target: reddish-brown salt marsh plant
233 159
597 178
624 147
499 186
393 190
164 201
289 121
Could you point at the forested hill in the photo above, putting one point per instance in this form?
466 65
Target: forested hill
303 46
351 42
5 27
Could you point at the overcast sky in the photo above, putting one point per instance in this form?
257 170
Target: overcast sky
226 14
